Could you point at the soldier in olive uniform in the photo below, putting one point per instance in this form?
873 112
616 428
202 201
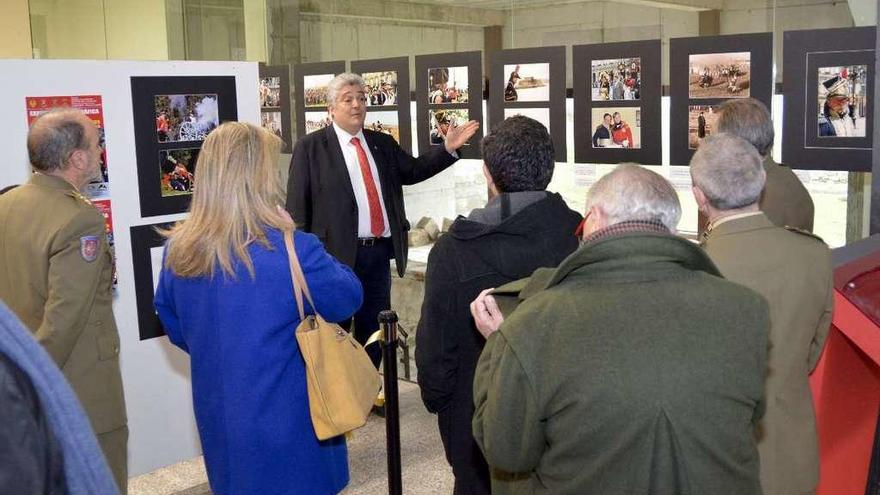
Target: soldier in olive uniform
785 200
56 272
792 270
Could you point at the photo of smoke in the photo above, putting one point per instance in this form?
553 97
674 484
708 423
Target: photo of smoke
185 117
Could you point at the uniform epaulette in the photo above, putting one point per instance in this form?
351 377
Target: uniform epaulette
804 232
78 195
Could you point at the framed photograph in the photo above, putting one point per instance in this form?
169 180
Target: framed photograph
310 81
706 70
317 120
828 121
616 79
542 115
440 121
147 247
172 117
450 82
701 123
531 82
388 97
617 103
275 103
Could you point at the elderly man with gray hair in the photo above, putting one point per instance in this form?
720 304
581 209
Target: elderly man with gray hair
633 367
784 199
792 270
345 187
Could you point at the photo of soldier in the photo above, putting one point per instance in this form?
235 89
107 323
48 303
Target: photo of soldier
383 121
701 123
719 75
185 117
616 79
527 82
441 121
448 85
177 171
317 120
270 92
315 89
380 88
271 121
617 127
842 101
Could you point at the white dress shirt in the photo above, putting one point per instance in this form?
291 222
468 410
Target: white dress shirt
349 152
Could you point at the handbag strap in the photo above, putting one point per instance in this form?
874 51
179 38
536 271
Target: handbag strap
299 280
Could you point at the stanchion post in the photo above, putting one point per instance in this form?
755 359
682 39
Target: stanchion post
388 320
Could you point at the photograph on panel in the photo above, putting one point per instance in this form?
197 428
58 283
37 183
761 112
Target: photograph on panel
448 85
719 75
542 115
616 79
380 88
177 170
383 121
270 92
185 117
317 120
527 82
617 127
315 89
271 121
843 101
441 121
701 123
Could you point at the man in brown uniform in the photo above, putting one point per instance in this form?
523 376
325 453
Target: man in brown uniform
785 200
792 270
56 272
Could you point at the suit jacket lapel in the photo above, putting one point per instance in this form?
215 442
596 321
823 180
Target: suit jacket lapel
337 164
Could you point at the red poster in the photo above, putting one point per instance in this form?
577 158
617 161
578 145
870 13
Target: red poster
92 107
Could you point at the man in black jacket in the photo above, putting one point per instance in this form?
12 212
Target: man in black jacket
522 228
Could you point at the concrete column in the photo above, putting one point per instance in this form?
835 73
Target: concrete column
282 31
710 22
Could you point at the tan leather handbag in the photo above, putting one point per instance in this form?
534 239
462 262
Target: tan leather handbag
342 381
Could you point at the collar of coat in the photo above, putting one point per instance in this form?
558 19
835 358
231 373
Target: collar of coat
626 258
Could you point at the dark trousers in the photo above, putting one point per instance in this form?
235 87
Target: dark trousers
374 271
462 452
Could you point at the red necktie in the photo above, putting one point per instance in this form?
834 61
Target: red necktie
377 223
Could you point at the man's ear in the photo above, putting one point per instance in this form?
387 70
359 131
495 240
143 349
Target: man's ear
701 199
78 159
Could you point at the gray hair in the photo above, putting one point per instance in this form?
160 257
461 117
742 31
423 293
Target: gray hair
749 119
342 80
630 192
729 171
54 136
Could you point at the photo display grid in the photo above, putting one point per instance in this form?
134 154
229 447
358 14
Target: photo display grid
386 89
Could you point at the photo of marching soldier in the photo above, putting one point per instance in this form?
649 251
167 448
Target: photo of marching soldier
448 85
315 89
616 79
380 88
177 170
185 117
842 101
701 123
527 82
719 75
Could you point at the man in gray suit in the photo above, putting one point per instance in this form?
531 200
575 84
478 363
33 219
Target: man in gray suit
785 200
792 270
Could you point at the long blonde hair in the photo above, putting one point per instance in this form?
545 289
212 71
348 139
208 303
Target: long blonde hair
236 191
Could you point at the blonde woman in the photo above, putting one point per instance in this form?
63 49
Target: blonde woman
225 297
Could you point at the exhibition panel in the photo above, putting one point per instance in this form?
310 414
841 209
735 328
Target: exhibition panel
275 109
387 91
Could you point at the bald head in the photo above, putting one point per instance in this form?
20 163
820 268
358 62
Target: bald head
55 136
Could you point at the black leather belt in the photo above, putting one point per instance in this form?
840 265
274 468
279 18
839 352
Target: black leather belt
371 241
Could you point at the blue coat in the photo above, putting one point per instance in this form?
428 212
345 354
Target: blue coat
248 376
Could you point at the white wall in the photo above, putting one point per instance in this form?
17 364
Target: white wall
155 374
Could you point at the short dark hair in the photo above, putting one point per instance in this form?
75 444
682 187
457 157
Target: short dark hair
519 155
54 136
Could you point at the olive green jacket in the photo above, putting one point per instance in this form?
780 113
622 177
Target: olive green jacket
632 368
47 235
785 200
793 271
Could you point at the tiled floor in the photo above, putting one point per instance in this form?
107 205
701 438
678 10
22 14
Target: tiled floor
425 471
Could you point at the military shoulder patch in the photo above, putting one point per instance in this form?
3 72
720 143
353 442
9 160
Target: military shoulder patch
804 232
88 247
